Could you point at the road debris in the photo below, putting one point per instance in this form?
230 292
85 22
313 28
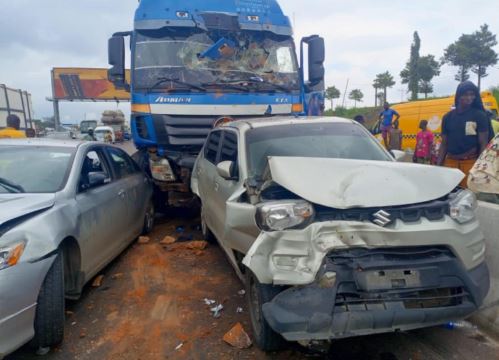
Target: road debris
237 337
241 292
144 239
167 240
239 310
217 310
98 281
117 276
208 301
179 346
41 351
69 313
197 245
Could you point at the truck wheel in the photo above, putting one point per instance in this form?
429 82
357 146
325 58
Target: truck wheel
207 234
256 295
49 317
148 219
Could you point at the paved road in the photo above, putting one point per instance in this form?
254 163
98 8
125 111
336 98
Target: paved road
151 302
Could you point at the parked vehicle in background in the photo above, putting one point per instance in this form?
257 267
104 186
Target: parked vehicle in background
433 110
17 102
85 125
105 134
199 63
323 256
115 120
68 209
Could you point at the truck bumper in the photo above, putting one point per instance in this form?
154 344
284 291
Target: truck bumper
368 291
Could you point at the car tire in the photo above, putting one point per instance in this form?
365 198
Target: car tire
205 230
49 317
256 295
149 218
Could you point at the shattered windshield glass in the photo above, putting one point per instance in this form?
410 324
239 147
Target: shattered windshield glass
265 60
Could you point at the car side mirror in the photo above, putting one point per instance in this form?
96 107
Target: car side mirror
316 58
96 179
398 155
225 170
116 58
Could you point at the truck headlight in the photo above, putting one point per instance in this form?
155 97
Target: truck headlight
281 215
462 206
161 170
10 255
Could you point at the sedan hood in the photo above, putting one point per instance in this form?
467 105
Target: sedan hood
343 184
13 206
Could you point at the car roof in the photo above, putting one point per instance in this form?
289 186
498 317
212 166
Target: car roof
103 128
286 120
69 143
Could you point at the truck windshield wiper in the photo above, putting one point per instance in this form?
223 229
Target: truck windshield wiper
227 85
163 80
11 187
255 80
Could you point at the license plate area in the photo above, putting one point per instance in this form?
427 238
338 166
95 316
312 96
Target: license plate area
393 279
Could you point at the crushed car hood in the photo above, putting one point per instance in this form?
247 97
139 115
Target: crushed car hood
343 184
13 206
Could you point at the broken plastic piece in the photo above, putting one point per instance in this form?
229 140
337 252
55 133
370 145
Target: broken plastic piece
241 292
239 310
41 351
179 346
216 310
208 301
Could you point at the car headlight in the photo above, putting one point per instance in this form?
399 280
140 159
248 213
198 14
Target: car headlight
281 215
462 206
10 255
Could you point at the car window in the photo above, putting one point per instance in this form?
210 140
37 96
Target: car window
229 147
122 165
211 147
94 167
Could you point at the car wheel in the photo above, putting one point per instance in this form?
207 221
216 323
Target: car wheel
256 295
149 218
205 230
49 317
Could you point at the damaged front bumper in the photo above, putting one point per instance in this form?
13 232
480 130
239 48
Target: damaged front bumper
352 278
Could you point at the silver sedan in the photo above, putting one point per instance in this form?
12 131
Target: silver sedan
66 210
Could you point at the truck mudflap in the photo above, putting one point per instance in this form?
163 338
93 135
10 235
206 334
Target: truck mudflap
366 291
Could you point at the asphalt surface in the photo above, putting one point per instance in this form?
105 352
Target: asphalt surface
150 305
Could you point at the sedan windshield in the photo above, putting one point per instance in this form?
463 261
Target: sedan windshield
317 140
33 169
264 59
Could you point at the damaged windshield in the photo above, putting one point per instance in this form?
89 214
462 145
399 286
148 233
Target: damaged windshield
261 60
317 140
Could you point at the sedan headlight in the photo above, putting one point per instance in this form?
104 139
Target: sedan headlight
10 255
462 206
281 215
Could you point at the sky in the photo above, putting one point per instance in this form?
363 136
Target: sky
363 38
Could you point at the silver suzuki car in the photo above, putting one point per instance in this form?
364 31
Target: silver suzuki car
66 210
333 237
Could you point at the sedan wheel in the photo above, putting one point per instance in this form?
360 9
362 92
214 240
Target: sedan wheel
207 234
149 219
49 317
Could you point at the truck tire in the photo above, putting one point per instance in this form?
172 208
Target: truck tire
149 218
256 295
49 317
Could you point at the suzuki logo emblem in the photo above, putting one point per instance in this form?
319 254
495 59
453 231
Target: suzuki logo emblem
382 218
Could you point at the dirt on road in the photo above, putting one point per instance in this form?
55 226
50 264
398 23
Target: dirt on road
150 305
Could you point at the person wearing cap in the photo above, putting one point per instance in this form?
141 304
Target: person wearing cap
466 130
12 129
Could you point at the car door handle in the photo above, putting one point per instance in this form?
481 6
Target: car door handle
217 186
121 194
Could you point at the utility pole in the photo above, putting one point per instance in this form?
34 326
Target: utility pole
344 94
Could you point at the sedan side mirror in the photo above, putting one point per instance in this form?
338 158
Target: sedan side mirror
226 170
398 155
96 179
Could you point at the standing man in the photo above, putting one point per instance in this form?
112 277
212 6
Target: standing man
424 144
386 117
12 129
465 130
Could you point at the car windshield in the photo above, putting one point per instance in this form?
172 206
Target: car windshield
33 169
318 140
176 54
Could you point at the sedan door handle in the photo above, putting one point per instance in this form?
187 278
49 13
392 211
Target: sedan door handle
217 186
121 194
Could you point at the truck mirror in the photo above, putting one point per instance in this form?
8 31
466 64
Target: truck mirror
116 56
316 57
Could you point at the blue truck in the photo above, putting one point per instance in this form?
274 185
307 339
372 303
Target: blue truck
197 64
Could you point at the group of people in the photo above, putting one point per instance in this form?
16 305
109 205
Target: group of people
467 141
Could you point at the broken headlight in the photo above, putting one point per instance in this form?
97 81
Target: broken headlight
281 215
462 206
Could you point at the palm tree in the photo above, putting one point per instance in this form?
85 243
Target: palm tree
356 95
384 81
332 93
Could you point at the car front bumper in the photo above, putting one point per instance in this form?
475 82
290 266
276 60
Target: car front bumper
367 291
19 288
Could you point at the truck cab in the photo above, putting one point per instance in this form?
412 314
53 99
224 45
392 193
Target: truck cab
198 64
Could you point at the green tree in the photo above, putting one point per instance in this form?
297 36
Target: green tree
458 54
356 95
428 68
332 93
384 81
425 87
411 74
483 54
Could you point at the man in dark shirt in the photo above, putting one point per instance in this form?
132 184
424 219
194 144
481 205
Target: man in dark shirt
465 130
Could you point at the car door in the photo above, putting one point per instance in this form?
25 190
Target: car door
223 188
98 208
131 184
205 171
